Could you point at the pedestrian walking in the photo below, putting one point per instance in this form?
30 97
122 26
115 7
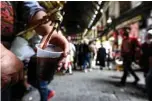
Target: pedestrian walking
126 53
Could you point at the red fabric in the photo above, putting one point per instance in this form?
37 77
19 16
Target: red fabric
125 48
51 94
136 41
7 18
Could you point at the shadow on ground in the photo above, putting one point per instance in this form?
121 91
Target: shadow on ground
130 89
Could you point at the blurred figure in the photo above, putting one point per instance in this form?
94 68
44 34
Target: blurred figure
93 49
126 53
70 57
146 54
101 56
108 59
149 74
86 56
75 61
80 54
135 48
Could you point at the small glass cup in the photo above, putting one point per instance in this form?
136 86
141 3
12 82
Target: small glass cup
47 61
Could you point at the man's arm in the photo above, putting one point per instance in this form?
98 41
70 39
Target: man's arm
11 67
35 14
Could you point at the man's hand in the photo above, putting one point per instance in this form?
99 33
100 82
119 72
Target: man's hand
56 38
11 67
59 40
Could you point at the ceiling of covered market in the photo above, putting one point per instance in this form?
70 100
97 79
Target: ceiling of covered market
78 14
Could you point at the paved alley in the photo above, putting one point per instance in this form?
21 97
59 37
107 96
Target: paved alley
96 86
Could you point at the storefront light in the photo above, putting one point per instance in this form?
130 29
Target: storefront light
109 20
94 16
139 39
101 10
99 2
93 27
98 7
96 12
63 13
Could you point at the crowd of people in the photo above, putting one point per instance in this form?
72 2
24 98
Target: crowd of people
85 55
132 51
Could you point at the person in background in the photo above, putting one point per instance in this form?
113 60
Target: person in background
93 50
135 50
11 66
145 54
126 54
80 55
86 56
70 57
75 62
101 56
149 74
108 59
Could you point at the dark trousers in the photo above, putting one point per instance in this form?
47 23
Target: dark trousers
149 85
6 94
87 59
145 68
102 62
127 69
12 92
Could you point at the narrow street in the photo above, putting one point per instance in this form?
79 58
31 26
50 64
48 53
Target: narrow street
96 86
85 46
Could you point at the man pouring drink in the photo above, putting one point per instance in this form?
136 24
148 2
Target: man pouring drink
11 66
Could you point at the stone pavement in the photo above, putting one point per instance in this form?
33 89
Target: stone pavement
96 86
